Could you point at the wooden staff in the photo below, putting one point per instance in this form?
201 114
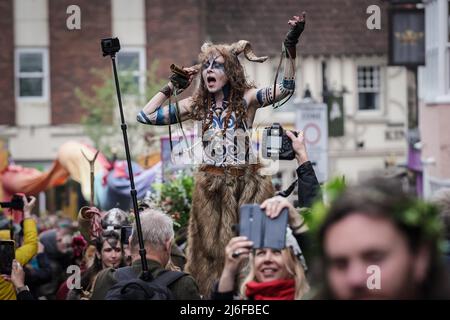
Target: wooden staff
92 169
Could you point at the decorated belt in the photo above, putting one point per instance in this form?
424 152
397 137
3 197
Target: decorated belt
236 171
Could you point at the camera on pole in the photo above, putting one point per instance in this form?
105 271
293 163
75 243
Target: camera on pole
110 46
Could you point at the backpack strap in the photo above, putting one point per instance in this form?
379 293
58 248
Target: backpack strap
167 277
125 273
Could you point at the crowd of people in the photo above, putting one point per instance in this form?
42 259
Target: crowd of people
370 240
374 223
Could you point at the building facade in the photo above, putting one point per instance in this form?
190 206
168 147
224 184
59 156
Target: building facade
43 61
434 97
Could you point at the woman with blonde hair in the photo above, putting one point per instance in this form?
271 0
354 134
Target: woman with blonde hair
269 274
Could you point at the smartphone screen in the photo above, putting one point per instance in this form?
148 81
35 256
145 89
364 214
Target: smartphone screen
125 234
7 255
262 230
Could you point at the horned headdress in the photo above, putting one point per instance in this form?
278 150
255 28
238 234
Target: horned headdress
237 48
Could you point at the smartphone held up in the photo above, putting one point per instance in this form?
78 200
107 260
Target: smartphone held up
265 232
7 255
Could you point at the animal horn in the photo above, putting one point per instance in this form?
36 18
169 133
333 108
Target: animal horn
205 46
244 46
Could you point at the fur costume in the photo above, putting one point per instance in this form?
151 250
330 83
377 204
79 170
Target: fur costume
215 210
225 104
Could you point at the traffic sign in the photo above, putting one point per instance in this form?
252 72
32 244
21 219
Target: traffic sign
312 119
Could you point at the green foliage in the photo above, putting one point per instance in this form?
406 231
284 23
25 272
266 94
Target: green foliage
330 191
415 213
100 106
175 198
423 215
154 84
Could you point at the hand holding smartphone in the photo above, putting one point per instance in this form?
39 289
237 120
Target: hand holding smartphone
265 232
7 255
125 233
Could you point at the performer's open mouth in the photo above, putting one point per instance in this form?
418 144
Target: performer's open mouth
210 80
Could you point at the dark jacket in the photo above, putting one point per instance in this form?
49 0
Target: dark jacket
216 295
308 192
58 263
25 295
308 185
38 274
184 288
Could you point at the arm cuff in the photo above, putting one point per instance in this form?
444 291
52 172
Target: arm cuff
142 118
24 288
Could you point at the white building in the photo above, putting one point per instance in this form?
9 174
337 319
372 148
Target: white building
434 97
374 134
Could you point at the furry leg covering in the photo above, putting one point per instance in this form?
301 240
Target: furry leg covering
215 210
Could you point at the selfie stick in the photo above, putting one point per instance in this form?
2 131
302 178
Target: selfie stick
145 274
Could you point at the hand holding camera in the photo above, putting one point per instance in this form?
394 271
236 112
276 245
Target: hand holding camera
20 202
299 147
280 144
28 205
276 144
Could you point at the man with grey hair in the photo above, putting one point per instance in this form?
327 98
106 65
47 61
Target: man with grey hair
157 233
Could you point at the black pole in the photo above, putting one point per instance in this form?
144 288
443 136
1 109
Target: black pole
142 252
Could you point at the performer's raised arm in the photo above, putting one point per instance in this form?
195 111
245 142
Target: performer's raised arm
154 113
262 97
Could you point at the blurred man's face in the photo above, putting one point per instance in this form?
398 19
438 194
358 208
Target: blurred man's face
359 241
111 254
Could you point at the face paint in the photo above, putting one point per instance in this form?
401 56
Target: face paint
212 63
213 73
